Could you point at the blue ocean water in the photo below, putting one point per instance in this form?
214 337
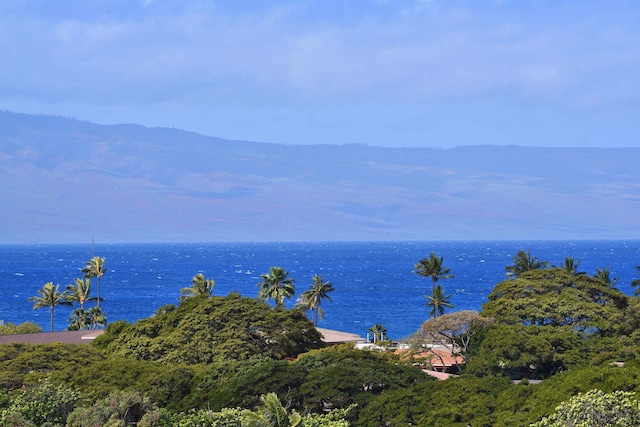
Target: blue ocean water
374 281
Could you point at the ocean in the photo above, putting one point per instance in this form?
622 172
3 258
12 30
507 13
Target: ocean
374 281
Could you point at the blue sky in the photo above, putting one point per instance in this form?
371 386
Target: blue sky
432 73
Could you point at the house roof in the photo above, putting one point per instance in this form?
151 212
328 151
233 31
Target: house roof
330 336
66 337
439 357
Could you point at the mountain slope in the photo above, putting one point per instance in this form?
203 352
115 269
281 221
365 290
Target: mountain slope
65 180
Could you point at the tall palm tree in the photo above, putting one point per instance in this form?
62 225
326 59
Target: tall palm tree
571 266
438 301
636 283
378 332
50 296
311 299
271 413
604 275
432 267
80 292
95 268
276 285
200 286
523 261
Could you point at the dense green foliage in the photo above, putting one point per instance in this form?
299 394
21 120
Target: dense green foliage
216 329
549 320
230 361
40 404
596 409
23 328
555 297
23 364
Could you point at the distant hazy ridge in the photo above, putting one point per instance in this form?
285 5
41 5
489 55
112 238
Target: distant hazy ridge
65 180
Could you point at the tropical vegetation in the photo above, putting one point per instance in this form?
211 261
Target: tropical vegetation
95 268
551 346
50 297
312 298
276 286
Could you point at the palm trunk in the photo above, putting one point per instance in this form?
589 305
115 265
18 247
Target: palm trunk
51 318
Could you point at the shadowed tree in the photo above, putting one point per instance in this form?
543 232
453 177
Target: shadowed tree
80 292
523 261
276 285
438 301
432 267
201 286
311 299
50 296
636 283
604 275
95 268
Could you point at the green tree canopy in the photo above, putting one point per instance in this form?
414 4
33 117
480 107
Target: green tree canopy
636 283
604 275
339 376
596 409
555 297
534 352
23 328
203 330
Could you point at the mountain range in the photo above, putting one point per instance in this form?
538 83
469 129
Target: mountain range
65 180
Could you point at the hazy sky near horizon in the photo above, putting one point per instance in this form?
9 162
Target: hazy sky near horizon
432 73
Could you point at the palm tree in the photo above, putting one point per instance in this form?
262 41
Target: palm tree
523 261
276 285
271 413
604 275
95 268
438 301
50 296
432 267
79 319
311 299
571 266
636 283
200 287
378 332
97 318
80 292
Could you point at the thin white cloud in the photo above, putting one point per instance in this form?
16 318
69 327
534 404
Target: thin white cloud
315 54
